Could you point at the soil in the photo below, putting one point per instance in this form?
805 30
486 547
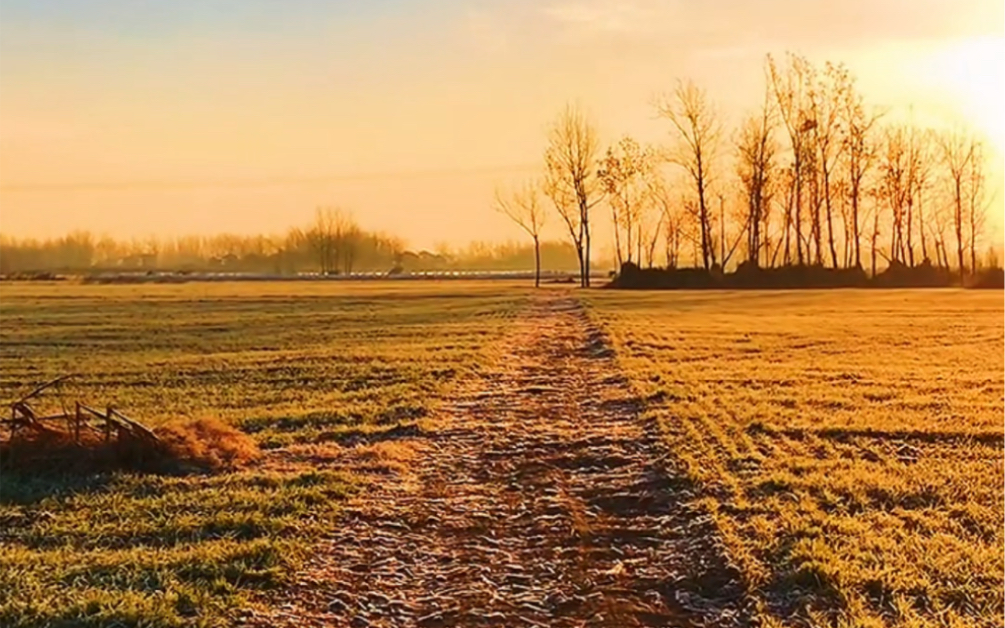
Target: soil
543 499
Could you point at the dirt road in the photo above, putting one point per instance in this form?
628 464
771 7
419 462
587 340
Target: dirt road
542 501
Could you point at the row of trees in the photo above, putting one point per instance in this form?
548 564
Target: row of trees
333 243
813 176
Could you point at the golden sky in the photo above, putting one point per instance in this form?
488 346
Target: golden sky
134 117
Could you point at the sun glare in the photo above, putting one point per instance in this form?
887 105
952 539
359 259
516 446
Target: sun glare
969 73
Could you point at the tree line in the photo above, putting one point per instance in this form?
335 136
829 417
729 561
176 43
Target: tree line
813 176
333 243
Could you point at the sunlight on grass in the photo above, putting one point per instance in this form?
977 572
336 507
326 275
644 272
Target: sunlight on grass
290 364
847 444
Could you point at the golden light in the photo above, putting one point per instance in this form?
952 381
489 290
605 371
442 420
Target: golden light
970 73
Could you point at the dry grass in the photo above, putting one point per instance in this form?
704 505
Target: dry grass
847 444
187 445
207 444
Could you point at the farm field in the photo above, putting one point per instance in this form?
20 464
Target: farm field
811 458
847 445
302 368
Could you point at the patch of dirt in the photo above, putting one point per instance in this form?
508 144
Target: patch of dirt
542 500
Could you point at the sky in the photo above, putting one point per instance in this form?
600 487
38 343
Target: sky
140 117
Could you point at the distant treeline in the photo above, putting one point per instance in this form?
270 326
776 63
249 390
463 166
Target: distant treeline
339 251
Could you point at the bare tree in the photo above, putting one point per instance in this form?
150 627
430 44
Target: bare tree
758 171
920 175
894 187
571 179
977 201
349 237
322 238
957 153
788 85
335 238
671 218
623 172
523 207
940 219
698 130
860 155
825 98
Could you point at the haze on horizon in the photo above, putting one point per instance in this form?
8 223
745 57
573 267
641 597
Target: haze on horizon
133 118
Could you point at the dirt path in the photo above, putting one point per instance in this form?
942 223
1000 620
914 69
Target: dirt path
541 502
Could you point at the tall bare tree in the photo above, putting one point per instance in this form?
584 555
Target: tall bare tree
894 187
788 84
957 153
922 167
698 132
977 201
860 156
825 96
571 179
757 152
523 207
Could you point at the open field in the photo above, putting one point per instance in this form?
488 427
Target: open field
828 458
302 367
847 444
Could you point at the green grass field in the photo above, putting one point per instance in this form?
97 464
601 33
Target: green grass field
848 444
290 363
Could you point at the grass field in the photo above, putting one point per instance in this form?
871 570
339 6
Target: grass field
847 444
293 364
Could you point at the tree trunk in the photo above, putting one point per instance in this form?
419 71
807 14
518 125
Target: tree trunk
799 221
617 237
579 258
921 229
830 239
959 231
875 240
706 261
788 225
855 228
910 230
830 222
722 232
537 262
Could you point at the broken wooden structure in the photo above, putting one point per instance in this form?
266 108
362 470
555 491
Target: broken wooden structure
74 436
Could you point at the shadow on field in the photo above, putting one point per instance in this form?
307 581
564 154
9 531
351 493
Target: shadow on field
843 434
372 435
23 489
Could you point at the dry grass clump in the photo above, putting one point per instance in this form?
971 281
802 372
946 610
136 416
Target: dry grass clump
208 444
